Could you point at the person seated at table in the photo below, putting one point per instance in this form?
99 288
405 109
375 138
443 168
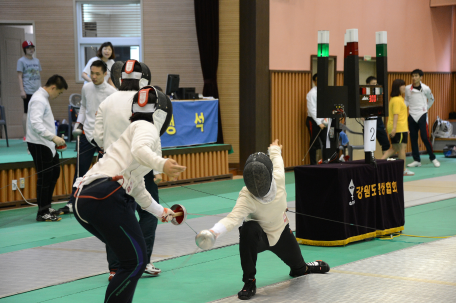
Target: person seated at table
263 205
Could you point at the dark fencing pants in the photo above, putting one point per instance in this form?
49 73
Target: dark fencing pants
48 172
422 127
113 221
147 223
86 152
254 240
382 136
313 128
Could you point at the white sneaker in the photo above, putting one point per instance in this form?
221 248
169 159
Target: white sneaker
152 270
408 173
415 164
436 163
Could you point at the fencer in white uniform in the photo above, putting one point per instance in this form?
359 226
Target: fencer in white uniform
108 194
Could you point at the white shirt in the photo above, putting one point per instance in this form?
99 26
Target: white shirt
133 156
272 217
312 105
113 117
109 63
417 101
92 96
40 120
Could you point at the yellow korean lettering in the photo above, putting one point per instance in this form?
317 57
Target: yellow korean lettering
171 130
199 121
374 190
394 183
388 188
359 191
367 191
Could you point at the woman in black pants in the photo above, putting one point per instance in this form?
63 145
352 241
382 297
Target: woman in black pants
107 194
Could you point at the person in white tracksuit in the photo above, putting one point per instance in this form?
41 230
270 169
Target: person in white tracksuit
419 98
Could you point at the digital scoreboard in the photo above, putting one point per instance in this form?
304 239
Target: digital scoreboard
371 100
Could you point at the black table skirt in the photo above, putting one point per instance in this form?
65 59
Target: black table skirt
332 215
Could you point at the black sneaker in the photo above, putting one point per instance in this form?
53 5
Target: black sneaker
67 209
54 212
248 291
318 267
48 218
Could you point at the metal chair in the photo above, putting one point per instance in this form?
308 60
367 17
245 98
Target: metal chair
3 122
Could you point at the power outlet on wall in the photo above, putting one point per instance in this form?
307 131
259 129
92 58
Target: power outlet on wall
14 184
22 183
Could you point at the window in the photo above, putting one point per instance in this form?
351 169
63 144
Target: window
116 22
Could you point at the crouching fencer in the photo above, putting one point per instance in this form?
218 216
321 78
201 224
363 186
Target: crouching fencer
263 202
105 199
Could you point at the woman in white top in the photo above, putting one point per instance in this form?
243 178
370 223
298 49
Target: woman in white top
106 54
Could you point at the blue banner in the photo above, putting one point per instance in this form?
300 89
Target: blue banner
193 122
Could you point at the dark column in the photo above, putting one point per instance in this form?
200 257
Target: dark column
254 100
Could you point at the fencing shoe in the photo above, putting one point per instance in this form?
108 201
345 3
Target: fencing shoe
48 217
55 212
436 163
248 291
414 164
67 209
317 267
152 270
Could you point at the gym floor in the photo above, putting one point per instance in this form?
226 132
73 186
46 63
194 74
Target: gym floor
61 262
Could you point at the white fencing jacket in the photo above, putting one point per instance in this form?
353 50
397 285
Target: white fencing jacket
272 217
417 101
40 120
133 156
92 96
112 118
312 105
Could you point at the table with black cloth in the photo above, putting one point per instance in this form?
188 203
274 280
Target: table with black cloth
345 202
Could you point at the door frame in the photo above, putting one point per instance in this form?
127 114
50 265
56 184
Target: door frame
21 22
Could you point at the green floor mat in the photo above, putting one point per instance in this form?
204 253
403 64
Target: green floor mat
217 273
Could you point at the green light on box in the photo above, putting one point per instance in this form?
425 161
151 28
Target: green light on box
381 50
323 50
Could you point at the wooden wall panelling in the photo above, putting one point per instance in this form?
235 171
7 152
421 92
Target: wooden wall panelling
29 174
228 73
289 108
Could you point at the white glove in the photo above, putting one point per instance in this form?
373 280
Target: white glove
58 141
167 215
205 239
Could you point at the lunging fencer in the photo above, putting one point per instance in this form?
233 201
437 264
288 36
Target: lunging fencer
263 202
107 195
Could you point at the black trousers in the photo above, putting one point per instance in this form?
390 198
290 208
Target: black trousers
48 172
254 240
313 128
113 221
382 136
422 127
147 223
86 151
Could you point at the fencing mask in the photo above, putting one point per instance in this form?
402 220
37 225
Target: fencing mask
150 100
126 70
258 175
